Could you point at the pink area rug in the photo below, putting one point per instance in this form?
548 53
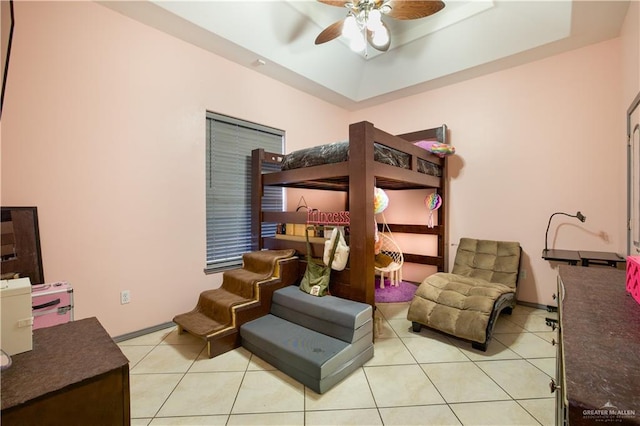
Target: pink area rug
403 293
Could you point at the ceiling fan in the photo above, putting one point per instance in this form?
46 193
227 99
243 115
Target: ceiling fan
363 22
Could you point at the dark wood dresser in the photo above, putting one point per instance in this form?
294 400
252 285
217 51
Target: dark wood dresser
598 374
75 375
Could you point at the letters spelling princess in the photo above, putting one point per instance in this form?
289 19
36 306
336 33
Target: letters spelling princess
316 217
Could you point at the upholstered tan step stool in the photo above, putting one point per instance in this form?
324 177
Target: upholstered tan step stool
245 294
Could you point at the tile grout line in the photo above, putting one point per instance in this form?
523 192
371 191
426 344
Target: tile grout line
177 383
511 398
394 334
424 372
235 399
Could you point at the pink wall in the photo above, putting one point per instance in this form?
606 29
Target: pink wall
531 140
630 36
103 130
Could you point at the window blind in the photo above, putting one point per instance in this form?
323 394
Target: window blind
229 145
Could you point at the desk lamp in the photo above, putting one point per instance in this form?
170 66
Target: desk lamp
579 215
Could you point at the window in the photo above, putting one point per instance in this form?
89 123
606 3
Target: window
229 145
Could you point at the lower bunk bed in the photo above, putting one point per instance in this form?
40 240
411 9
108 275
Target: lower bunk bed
371 158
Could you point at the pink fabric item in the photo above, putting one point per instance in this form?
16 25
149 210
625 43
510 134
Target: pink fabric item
437 148
633 277
425 144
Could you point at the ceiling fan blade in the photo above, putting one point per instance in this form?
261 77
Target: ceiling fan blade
413 9
332 31
339 3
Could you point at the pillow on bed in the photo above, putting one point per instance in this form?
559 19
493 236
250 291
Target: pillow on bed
425 144
437 148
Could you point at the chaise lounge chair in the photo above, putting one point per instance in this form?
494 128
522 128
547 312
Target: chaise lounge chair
466 302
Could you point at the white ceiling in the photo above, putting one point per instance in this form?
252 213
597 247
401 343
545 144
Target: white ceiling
467 38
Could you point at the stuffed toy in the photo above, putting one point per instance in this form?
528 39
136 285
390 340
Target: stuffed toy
378 244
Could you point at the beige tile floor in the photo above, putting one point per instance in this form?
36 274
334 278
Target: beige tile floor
423 378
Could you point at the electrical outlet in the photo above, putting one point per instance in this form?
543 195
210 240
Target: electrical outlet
125 297
523 274
25 322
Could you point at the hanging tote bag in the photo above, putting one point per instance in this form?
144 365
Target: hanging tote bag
317 275
341 250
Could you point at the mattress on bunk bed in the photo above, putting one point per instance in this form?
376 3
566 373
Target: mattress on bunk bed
338 152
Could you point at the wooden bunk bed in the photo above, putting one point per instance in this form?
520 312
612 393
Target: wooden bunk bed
357 176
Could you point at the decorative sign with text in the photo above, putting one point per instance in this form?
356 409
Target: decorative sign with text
316 217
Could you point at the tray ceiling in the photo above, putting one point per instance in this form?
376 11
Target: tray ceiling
464 40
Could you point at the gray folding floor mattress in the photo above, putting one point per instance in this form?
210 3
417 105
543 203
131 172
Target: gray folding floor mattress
316 340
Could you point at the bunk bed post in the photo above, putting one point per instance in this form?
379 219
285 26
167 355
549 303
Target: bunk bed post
438 134
257 155
361 185
443 240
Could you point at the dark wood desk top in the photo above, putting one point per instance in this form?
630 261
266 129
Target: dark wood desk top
62 355
600 255
572 257
561 255
600 327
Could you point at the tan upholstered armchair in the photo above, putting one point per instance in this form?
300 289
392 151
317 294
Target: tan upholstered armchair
466 302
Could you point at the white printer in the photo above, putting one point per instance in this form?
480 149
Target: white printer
17 316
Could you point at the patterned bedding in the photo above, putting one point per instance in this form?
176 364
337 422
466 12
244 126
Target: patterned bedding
338 152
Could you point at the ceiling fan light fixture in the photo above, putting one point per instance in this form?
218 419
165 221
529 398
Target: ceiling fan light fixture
358 43
350 29
364 25
374 20
380 37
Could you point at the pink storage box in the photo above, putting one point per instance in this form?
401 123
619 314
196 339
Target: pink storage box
633 277
52 304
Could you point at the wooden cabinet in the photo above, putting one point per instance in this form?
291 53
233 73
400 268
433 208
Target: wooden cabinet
558 385
598 374
75 375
